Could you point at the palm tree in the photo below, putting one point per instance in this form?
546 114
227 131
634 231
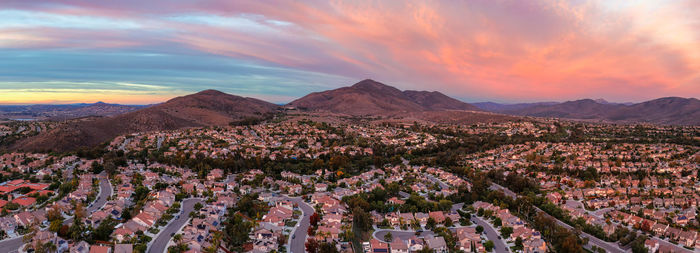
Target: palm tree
50 247
177 238
29 237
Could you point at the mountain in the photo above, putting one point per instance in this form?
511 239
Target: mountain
497 107
437 101
670 110
65 111
369 97
206 108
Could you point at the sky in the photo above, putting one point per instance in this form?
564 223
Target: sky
142 52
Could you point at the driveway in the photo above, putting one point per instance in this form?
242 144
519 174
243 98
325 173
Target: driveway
161 242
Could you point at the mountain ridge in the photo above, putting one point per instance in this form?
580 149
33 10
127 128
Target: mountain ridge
665 110
207 108
369 97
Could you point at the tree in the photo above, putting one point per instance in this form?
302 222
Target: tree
105 229
311 245
361 219
314 219
506 231
519 242
488 245
497 222
448 222
76 230
177 238
431 223
55 225
326 247
79 212
388 237
479 229
236 230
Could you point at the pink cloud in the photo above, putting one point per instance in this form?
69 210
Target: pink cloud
519 50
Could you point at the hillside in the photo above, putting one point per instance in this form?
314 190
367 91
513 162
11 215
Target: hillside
670 110
65 111
369 97
206 108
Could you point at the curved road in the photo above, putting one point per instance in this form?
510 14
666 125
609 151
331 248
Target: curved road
161 242
296 242
492 235
12 245
592 240
403 235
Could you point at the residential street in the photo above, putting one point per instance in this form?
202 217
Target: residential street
298 238
159 243
403 235
106 190
491 234
11 245
609 247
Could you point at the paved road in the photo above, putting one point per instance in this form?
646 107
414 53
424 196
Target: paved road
11 245
298 238
592 240
161 242
403 235
443 185
506 191
491 234
456 207
105 191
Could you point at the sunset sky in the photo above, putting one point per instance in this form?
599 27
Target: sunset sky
146 51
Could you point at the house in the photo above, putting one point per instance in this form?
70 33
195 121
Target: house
120 234
687 238
100 249
438 216
80 247
422 218
437 244
415 244
123 248
24 201
377 246
659 228
144 219
398 246
651 244
535 246
24 219
396 201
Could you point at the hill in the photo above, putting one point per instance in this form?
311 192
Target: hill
369 97
206 108
65 111
669 111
